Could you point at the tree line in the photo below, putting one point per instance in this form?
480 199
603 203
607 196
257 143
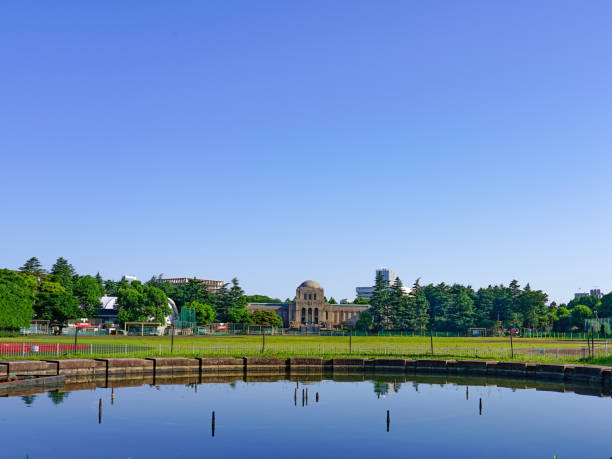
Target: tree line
60 294
456 308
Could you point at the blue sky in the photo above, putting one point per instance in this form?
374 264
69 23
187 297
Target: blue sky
280 141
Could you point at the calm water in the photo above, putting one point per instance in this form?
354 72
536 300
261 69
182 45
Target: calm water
260 419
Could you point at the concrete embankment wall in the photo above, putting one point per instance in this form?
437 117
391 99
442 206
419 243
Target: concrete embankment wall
256 367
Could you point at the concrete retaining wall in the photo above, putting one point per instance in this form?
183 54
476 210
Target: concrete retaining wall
259 367
220 365
174 365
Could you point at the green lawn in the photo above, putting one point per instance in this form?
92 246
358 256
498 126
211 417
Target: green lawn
477 343
495 348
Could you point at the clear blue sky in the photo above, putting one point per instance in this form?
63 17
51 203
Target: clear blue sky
279 141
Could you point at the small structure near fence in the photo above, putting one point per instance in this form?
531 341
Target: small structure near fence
151 328
37 327
186 323
477 332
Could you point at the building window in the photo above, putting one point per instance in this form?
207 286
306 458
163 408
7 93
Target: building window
310 296
303 315
309 315
326 315
305 296
316 316
315 296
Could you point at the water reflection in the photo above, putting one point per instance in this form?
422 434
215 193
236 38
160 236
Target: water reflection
348 418
57 397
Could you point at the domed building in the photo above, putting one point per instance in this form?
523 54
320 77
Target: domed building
310 310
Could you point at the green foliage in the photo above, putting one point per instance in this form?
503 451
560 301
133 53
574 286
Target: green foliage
420 308
16 300
364 323
592 302
205 314
605 308
239 316
230 304
88 291
380 305
579 314
54 303
63 273
332 301
262 299
267 318
360 300
141 303
32 266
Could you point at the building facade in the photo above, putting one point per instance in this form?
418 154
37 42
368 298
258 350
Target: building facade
310 310
212 286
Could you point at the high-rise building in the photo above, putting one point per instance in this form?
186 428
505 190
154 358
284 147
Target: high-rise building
387 275
596 292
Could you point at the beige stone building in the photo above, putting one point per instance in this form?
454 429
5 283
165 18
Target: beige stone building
310 310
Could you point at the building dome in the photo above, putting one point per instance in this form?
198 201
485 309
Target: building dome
310 283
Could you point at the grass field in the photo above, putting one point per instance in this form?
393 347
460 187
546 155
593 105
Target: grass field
494 348
484 343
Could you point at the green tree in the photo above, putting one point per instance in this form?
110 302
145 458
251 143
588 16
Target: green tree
239 316
364 323
232 305
270 318
63 273
579 314
420 307
88 292
32 266
380 304
605 308
142 303
205 314
54 303
16 300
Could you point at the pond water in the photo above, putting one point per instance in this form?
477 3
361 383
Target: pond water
428 417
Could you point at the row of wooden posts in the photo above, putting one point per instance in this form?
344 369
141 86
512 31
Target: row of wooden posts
295 392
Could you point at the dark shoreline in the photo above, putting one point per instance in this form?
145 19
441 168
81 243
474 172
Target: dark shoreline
88 374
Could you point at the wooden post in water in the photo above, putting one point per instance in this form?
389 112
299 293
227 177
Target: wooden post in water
306 396
100 411
467 392
213 424
295 397
317 397
112 396
480 407
388 420
302 397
